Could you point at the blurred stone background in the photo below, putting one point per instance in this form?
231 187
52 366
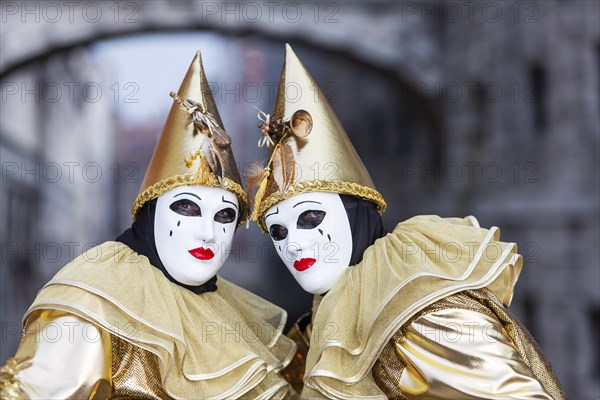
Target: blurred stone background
488 108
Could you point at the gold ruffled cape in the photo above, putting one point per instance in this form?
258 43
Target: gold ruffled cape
222 344
424 259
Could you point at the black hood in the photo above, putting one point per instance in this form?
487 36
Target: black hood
365 224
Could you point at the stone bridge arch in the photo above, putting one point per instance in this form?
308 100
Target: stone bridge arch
406 50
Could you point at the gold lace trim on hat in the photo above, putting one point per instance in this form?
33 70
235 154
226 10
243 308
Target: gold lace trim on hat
324 185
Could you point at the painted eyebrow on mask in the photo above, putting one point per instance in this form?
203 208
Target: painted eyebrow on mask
227 201
191 194
273 213
306 201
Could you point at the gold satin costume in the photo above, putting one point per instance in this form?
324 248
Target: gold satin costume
89 336
424 314
111 325
426 324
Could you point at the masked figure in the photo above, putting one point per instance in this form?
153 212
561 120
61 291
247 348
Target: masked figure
418 313
145 316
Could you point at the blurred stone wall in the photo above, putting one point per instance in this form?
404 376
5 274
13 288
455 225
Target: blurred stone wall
56 152
535 67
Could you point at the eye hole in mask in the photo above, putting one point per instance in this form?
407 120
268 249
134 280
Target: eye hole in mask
186 207
310 219
225 216
278 232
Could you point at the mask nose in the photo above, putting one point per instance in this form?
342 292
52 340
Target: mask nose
298 243
206 230
293 249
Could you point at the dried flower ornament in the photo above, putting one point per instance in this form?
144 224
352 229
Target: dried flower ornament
282 164
272 130
218 140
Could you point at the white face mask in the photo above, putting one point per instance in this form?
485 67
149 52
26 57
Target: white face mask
193 231
311 234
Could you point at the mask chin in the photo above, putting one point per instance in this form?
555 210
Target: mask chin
193 231
315 288
311 233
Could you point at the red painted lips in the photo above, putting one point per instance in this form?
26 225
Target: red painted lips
303 264
201 253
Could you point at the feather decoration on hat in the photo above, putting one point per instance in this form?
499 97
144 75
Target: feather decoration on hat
283 166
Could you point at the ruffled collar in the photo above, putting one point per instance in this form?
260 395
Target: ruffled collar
226 343
424 259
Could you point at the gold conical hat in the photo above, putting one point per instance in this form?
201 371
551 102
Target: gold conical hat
310 150
193 148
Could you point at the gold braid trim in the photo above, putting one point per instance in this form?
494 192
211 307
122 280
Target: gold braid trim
325 185
191 179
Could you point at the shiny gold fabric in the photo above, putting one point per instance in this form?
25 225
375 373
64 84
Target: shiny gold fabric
178 139
453 353
388 369
61 356
325 160
219 344
135 372
425 259
523 341
465 346
294 372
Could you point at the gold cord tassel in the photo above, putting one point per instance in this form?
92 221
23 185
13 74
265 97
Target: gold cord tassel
260 194
203 173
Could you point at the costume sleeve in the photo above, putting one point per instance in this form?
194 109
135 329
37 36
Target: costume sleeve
458 353
61 356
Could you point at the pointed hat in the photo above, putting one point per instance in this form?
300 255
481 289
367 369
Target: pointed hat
193 148
309 149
